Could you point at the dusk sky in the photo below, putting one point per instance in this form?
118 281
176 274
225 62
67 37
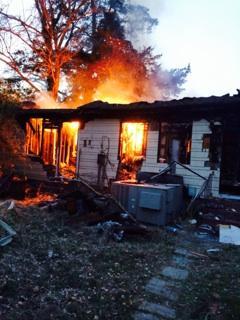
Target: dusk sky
202 33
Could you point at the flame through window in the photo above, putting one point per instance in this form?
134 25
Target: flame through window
133 140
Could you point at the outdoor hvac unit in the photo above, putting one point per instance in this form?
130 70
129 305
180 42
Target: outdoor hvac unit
156 204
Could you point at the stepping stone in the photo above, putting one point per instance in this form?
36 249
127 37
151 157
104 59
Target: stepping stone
175 273
162 288
159 310
144 316
181 261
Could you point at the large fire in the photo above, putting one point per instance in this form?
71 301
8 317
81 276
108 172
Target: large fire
117 75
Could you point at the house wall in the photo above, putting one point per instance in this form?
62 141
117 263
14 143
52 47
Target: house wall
197 162
96 131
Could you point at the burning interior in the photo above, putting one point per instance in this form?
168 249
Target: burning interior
55 143
133 139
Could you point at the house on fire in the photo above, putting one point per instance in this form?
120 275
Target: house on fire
101 142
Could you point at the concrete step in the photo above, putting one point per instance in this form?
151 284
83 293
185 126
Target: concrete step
175 273
158 309
165 289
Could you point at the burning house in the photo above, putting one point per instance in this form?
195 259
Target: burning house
103 142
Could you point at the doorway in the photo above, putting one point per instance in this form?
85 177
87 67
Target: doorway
132 151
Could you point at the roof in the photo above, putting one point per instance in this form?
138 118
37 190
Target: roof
176 109
186 108
53 114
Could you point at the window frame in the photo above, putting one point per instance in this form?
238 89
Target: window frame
146 129
166 146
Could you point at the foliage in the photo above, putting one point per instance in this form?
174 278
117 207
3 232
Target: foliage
11 135
12 90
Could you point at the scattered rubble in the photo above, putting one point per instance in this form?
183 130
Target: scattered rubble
95 208
212 217
6 231
229 234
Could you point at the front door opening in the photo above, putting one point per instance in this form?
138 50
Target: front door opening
132 149
68 154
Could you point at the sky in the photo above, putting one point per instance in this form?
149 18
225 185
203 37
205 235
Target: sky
202 33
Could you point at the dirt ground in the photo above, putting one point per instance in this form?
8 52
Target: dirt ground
58 268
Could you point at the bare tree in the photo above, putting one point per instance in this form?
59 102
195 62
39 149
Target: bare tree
84 40
38 47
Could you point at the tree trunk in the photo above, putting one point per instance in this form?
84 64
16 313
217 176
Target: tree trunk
53 86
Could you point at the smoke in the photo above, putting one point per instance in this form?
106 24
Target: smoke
44 100
167 84
139 24
156 7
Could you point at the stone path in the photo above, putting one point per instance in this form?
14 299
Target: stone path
166 288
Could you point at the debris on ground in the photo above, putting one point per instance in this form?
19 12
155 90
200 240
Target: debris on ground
8 233
218 211
61 268
192 221
95 208
229 234
213 250
210 215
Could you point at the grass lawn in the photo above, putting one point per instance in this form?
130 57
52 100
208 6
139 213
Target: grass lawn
212 291
59 268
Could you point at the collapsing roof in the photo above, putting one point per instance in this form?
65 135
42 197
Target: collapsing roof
187 108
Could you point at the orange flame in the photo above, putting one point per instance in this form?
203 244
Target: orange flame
70 132
120 75
132 139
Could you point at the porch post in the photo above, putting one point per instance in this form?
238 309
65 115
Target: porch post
58 151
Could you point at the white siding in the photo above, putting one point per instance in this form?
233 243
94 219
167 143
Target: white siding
95 131
198 158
